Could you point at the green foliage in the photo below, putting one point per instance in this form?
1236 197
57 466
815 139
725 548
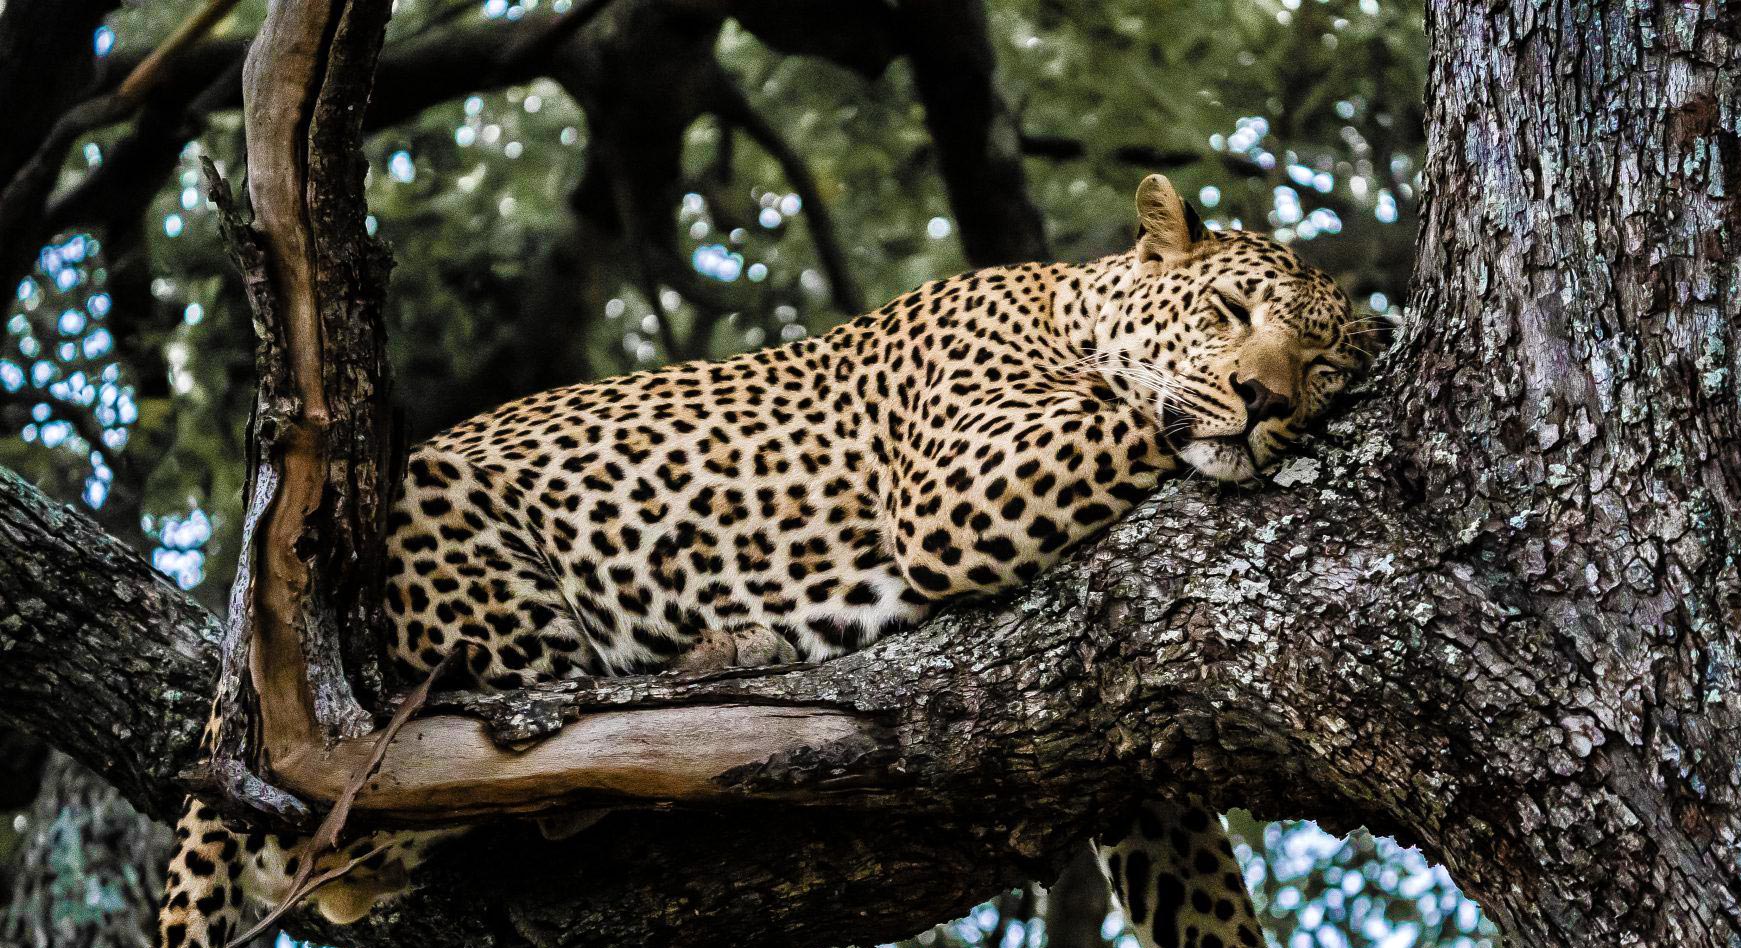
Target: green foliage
1313 890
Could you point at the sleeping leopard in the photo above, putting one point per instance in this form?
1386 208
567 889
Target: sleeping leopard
803 501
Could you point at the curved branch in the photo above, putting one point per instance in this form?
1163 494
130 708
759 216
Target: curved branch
46 64
735 109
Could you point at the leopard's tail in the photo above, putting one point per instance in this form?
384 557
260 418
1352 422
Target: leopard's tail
217 873
202 905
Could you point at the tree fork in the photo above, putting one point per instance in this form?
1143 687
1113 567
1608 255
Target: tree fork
320 486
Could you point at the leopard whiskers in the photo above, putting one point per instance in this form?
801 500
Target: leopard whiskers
1173 392
1368 324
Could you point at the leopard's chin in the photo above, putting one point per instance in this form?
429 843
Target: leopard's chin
1225 459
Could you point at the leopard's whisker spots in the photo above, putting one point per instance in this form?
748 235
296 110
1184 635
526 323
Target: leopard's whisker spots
1148 377
1182 398
1169 397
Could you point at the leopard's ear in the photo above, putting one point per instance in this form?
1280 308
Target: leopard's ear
1194 222
1169 226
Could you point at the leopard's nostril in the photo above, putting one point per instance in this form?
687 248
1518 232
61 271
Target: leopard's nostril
1244 390
1260 402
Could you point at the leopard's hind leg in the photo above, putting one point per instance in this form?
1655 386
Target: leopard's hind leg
1175 875
202 905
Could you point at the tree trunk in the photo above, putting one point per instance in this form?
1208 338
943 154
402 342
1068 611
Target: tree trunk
979 147
1570 414
1493 610
89 868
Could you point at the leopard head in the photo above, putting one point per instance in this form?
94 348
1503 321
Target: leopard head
1227 338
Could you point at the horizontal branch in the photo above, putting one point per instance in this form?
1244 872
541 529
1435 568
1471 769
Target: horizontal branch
417 73
1279 649
1061 148
104 657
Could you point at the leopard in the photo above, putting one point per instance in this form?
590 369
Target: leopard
803 501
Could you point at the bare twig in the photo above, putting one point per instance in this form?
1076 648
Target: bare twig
326 836
149 73
92 114
130 173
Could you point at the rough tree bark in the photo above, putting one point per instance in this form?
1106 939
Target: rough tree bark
1571 419
1494 610
89 870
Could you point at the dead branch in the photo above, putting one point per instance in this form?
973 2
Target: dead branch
325 838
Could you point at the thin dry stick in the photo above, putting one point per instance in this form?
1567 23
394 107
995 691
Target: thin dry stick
155 66
326 835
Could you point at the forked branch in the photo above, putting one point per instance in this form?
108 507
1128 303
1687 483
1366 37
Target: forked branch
321 484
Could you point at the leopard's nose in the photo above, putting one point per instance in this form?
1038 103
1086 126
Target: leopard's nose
1260 402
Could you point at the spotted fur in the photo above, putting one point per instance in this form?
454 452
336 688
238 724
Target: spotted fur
1177 880
806 500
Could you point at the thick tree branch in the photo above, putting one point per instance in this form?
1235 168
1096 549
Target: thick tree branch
1168 651
70 596
321 435
1493 613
